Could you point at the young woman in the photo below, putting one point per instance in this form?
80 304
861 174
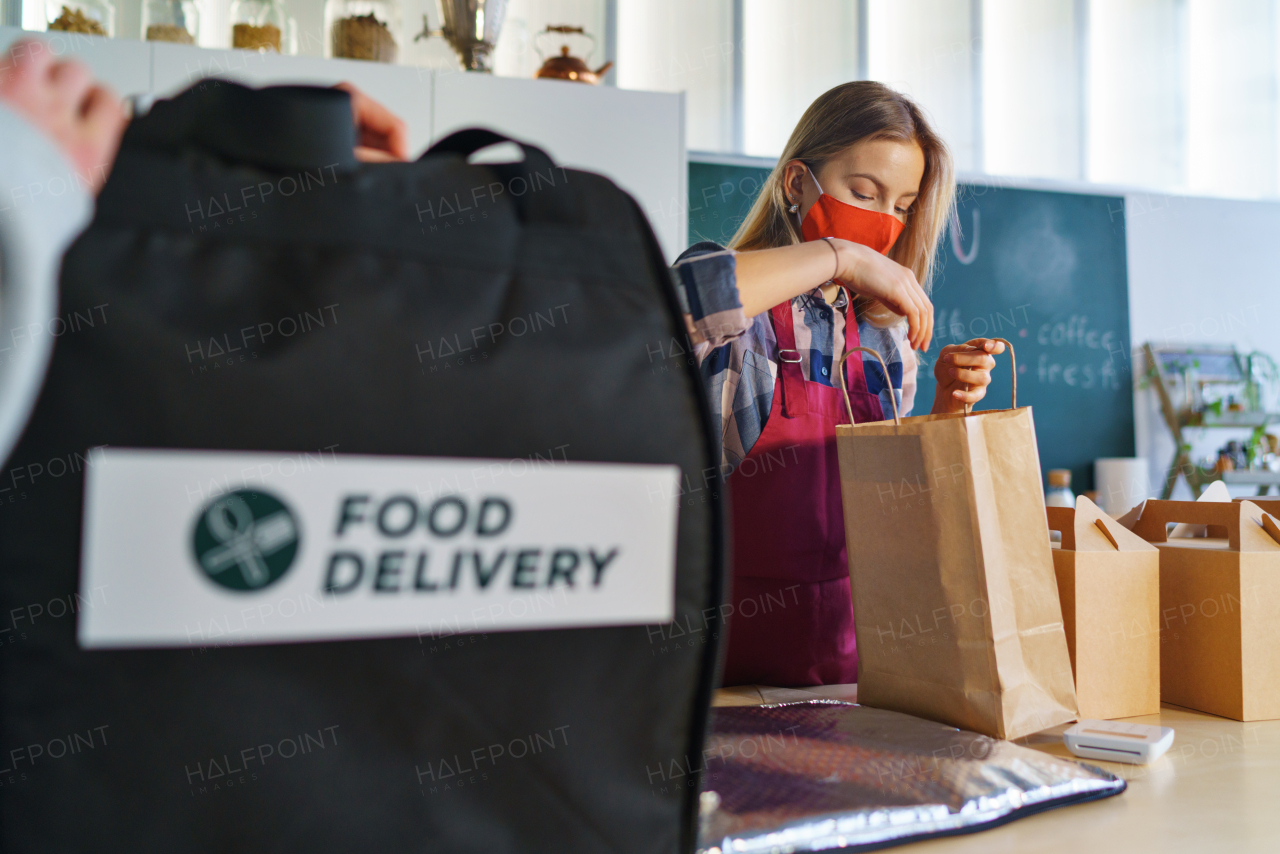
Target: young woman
836 252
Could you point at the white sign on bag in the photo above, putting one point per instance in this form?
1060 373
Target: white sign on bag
365 547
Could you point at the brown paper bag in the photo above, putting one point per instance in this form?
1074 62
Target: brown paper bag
955 601
1109 586
1219 607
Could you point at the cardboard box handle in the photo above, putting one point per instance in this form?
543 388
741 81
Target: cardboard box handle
1086 528
1063 520
1247 527
1106 533
1269 525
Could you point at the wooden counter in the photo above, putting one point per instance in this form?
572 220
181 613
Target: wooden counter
1217 789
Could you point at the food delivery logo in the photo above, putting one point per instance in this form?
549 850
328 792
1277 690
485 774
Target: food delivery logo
245 540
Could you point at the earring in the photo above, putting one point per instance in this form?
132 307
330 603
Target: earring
793 209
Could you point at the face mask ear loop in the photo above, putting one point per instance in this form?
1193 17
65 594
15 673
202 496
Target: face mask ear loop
799 221
814 177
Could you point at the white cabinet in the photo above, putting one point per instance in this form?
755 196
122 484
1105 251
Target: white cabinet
403 90
634 138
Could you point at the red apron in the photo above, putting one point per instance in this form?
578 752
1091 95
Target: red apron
792 617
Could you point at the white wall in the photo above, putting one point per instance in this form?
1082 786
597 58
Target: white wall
1201 271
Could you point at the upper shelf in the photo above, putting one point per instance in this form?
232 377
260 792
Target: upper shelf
1230 419
634 138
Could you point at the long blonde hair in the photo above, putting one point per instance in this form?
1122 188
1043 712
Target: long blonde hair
838 119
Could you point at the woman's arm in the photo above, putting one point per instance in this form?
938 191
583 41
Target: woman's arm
769 277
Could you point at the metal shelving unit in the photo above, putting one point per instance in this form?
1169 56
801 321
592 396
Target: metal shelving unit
1178 419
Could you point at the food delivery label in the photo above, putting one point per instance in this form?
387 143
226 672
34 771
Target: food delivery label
208 548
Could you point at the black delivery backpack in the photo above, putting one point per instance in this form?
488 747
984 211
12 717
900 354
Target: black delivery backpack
362 284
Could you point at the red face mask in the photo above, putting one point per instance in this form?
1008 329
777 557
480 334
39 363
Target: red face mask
830 217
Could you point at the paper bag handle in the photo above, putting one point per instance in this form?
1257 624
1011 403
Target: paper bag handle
897 419
1013 362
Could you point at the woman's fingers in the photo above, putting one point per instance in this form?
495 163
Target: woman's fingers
924 320
924 308
870 274
366 154
970 397
897 294
911 312
24 69
101 110
971 377
989 345
972 359
71 81
928 308
102 122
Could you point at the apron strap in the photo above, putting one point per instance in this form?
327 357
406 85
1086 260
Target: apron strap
795 402
855 375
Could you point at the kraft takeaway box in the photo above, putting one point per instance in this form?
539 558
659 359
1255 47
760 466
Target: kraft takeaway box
1270 506
954 596
1219 607
1109 586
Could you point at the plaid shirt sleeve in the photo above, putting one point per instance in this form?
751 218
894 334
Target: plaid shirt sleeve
738 357
706 280
739 380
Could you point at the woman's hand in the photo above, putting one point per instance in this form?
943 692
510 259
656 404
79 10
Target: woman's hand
963 372
868 273
769 277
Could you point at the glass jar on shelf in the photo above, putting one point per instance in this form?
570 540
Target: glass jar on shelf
91 17
259 25
175 21
362 29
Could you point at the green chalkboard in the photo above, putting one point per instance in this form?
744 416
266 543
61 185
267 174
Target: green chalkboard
1045 270
719 198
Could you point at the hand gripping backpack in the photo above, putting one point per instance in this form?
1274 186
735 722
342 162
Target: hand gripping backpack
230 208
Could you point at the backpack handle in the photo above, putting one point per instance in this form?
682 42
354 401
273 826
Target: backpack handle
537 176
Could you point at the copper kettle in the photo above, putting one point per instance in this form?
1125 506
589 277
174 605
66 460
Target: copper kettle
564 66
